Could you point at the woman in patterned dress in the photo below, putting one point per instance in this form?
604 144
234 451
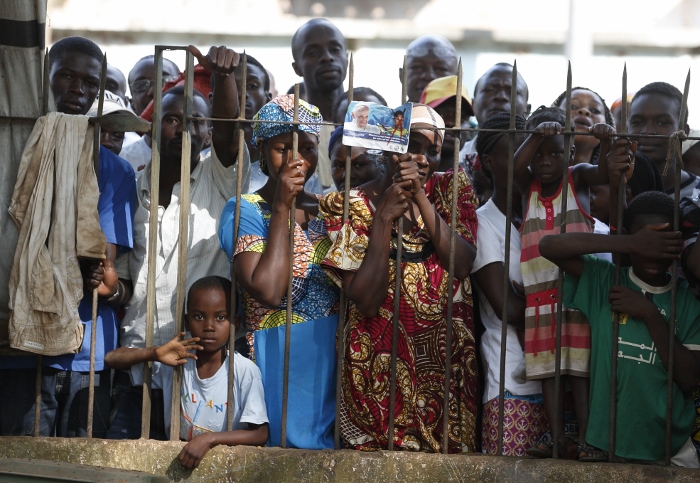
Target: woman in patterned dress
261 260
362 261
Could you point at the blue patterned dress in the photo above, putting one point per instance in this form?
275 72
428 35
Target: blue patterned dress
311 406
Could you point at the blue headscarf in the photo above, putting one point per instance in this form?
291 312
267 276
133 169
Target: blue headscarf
281 108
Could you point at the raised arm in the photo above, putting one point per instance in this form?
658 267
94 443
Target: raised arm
265 275
567 249
586 175
438 229
686 363
369 285
174 353
522 176
222 62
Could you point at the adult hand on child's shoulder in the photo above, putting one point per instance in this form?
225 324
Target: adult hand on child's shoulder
548 129
630 302
195 450
220 60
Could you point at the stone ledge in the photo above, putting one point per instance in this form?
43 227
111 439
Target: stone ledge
247 464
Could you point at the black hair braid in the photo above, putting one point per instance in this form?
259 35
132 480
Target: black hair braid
486 141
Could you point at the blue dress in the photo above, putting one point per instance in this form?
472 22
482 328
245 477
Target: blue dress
311 405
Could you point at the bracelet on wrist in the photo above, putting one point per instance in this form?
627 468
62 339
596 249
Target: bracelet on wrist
115 295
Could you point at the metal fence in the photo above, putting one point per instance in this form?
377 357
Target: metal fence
183 248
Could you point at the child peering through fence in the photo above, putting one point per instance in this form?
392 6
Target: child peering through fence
538 176
204 392
362 261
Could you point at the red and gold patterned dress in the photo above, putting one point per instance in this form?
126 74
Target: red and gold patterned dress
423 321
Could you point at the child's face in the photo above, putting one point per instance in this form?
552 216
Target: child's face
208 318
496 160
278 149
654 114
651 270
425 151
548 163
600 202
483 188
587 109
362 170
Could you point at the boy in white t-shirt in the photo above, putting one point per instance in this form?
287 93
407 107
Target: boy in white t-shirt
204 394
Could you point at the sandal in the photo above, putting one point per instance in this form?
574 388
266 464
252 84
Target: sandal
543 449
590 454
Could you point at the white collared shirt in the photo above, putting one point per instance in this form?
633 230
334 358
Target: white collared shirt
211 187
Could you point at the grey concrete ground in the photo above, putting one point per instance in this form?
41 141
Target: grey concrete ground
246 464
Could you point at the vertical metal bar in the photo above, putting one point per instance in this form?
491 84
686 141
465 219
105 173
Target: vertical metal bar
95 300
451 266
397 303
153 230
39 359
674 277
236 222
618 269
183 244
506 258
560 282
340 333
288 326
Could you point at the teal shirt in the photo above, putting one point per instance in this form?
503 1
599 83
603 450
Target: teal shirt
641 376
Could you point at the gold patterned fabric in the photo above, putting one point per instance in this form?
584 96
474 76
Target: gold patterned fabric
422 330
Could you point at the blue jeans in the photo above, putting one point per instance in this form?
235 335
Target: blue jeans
126 416
64 402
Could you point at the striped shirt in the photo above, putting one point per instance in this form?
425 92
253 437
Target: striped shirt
543 217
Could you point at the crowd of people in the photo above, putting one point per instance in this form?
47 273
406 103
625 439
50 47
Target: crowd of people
358 258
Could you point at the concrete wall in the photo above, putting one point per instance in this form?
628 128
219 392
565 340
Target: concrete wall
246 464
